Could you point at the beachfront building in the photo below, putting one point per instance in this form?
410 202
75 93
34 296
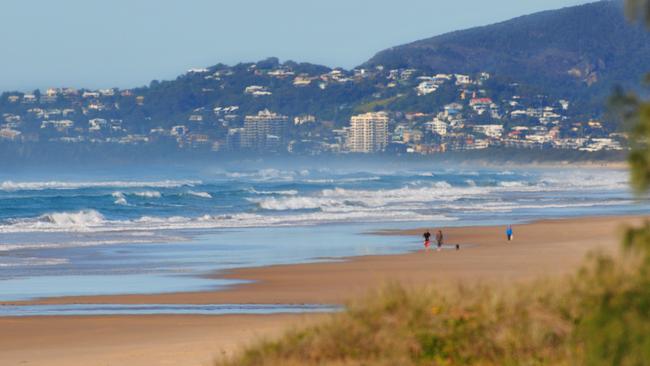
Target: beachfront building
368 132
437 126
264 131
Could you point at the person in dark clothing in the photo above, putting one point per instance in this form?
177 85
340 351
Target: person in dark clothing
439 239
509 232
427 239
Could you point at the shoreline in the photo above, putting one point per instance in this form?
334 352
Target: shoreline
542 249
274 284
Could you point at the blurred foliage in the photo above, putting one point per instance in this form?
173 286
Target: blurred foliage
638 10
637 113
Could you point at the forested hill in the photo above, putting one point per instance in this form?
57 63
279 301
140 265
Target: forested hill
586 49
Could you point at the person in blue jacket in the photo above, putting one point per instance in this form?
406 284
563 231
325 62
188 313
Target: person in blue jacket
509 232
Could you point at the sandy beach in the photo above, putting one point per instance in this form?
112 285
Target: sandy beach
549 248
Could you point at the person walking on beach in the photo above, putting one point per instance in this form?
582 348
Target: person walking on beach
439 239
427 240
509 233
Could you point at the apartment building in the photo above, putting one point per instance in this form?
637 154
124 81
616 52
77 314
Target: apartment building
368 132
264 131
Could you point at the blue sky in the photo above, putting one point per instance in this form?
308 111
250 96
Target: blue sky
126 43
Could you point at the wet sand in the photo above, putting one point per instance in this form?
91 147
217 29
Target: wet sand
548 248
134 340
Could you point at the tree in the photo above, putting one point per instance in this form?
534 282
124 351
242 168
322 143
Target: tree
637 112
613 325
638 10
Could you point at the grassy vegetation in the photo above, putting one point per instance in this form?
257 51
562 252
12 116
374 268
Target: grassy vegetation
601 316
375 105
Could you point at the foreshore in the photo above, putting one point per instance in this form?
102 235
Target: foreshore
542 249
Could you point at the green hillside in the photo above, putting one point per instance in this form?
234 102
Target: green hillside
581 50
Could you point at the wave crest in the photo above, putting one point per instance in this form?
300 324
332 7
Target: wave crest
148 194
200 194
59 185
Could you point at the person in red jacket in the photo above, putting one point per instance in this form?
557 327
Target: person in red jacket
427 240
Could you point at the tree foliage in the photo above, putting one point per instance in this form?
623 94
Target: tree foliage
613 327
637 113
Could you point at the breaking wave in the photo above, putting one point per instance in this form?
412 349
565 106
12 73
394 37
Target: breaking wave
148 194
35 186
289 192
343 180
375 197
93 221
85 220
119 198
22 262
200 194
267 175
340 199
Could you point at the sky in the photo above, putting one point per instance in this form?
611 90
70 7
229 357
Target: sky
128 43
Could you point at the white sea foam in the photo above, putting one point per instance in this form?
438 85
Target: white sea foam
148 194
514 184
121 201
85 243
266 175
344 200
296 203
85 220
19 186
416 200
253 220
512 206
74 219
342 180
119 198
199 194
580 180
419 197
89 221
30 262
290 192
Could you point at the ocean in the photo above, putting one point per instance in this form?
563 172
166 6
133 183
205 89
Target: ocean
158 234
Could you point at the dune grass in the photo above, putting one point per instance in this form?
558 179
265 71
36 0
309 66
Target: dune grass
599 316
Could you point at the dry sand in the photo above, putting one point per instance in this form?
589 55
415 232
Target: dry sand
134 340
548 248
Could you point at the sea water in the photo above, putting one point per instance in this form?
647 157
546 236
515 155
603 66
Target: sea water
97 236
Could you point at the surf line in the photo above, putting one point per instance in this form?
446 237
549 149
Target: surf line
163 309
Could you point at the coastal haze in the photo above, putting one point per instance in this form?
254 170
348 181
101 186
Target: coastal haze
173 187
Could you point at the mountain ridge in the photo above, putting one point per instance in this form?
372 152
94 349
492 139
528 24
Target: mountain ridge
590 46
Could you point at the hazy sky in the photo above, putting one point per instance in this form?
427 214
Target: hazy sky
125 43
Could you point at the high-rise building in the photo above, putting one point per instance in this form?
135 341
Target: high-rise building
234 139
264 131
368 132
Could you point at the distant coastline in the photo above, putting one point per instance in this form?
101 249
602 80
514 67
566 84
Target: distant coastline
69 157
